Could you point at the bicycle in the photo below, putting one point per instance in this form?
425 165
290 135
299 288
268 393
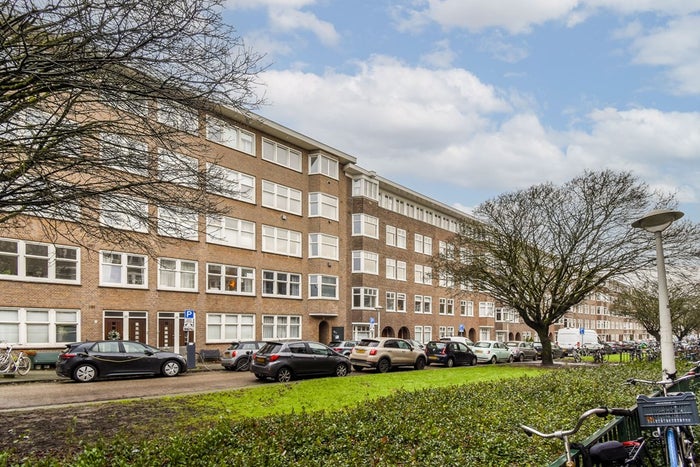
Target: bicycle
598 356
576 354
670 416
621 453
11 363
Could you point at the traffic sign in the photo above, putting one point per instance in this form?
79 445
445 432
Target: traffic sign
581 331
189 314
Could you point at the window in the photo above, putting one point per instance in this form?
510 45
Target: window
323 286
427 304
365 262
281 284
423 274
120 212
323 246
395 269
230 136
363 186
222 278
365 225
39 262
422 304
395 236
364 297
391 301
39 326
231 232
401 302
323 205
466 308
230 183
423 333
177 274
281 155
123 270
324 165
177 168
281 241
178 222
447 306
281 327
178 117
123 153
423 244
226 327
281 198
486 309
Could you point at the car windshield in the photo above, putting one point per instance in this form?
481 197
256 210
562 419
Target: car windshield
270 348
368 343
512 344
335 344
234 346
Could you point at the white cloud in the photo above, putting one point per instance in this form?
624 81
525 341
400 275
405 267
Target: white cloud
441 56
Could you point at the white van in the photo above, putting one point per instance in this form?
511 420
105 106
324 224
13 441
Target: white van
568 338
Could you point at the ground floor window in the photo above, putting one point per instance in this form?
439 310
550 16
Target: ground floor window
423 333
226 327
39 326
360 331
281 327
484 333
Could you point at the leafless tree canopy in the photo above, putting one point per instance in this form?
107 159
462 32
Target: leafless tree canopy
542 250
101 99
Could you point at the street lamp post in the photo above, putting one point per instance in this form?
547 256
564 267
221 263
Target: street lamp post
656 222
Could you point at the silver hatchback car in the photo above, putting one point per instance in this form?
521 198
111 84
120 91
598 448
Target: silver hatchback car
238 355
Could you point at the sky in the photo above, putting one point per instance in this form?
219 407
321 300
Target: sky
462 100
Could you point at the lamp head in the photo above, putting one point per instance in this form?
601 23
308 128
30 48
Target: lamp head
657 220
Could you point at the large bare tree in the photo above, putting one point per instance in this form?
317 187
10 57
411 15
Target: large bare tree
100 105
641 302
542 250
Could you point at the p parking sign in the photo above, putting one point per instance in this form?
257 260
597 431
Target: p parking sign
189 314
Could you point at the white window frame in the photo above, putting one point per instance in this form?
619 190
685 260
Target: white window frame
227 327
125 270
401 302
281 327
244 278
365 225
323 205
177 116
365 298
281 197
365 262
235 185
179 274
320 285
487 309
230 231
323 246
323 165
178 223
23 258
423 244
466 308
231 136
111 214
281 155
363 186
390 301
422 274
129 151
177 168
290 281
281 241
23 325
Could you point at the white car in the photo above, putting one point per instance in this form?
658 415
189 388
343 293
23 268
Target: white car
492 351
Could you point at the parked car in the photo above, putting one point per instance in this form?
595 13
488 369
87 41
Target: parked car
239 354
449 353
522 350
342 347
557 351
284 361
464 340
492 351
415 343
385 353
89 360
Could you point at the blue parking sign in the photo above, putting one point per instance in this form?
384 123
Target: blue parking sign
189 314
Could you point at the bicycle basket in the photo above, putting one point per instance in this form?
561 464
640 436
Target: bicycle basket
676 409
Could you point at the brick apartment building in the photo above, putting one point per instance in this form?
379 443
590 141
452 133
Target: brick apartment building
313 247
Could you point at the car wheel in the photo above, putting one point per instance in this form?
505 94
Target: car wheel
450 362
342 370
171 368
473 361
420 363
521 357
511 359
84 373
242 364
494 360
384 365
357 367
284 375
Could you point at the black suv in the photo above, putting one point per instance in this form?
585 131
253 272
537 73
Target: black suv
284 361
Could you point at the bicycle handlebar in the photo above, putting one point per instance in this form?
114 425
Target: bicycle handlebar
666 382
599 411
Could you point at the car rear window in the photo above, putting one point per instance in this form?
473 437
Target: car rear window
433 346
368 343
270 348
234 346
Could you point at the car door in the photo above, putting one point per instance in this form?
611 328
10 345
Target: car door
460 353
300 358
140 358
404 352
324 363
503 351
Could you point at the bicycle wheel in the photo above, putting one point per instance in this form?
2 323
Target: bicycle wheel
686 443
4 362
24 364
674 457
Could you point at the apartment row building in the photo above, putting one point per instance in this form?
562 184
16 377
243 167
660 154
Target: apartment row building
313 246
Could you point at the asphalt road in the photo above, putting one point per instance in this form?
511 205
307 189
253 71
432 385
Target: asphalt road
52 393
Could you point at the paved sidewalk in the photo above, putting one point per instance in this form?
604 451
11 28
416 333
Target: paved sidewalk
32 376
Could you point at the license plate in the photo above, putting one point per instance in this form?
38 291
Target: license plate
359 350
260 359
432 357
